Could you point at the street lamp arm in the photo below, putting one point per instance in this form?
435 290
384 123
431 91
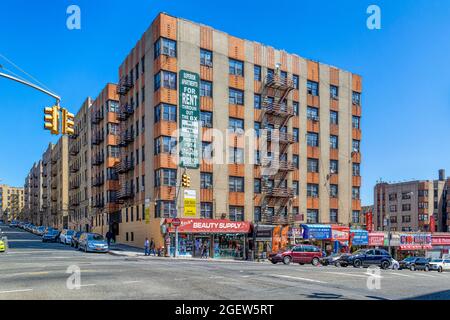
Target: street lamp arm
29 84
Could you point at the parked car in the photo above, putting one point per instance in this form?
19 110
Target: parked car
66 236
420 263
370 257
336 259
92 242
51 236
40 231
75 239
2 246
301 254
440 265
395 265
14 224
405 263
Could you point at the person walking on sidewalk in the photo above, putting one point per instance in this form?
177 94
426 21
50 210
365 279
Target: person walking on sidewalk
108 238
146 247
205 251
152 248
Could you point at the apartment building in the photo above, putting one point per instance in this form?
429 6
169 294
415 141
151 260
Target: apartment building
105 156
12 202
46 185
80 169
412 206
59 184
312 109
33 194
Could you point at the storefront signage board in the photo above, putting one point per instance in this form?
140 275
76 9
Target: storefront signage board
190 203
316 231
209 226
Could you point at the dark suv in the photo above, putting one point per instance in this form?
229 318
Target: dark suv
370 257
301 254
419 264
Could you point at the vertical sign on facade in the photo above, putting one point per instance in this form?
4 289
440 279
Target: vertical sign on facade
190 203
189 119
147 211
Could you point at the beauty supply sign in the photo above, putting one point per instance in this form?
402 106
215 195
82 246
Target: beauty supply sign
189 107
210 226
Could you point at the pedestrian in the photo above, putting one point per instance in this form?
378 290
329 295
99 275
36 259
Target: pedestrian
205 251
152 247
108 238
146 247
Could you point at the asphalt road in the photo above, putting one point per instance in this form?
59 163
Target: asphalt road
35 270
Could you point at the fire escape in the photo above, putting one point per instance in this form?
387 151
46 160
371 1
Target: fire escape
274 166
126 137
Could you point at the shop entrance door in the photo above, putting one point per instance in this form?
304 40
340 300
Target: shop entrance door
199 243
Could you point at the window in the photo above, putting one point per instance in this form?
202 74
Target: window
334 92
165 112
257 101
257 127
270 73
296 161
236 67
393 208
236 213
312 139
257 73
406 219
334 117
356 145
295 79
236 155
355 216
392 197
334 142
312 190
296 134
236 184
356 122
236 96
333 215
257 185
165 177
423 193
356 98
334 191
206 89
312 114
312 88
296 107
165 209
206 58
355 193
165 144
236 125
113 106
334 166
312 216
206 180
257 214
207 151
406 195
206 119
406 207
113 151
295 186
206 210
165 79
393 219
356 170
313 165
165 47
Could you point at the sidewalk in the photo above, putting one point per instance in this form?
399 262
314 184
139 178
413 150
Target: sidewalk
123 250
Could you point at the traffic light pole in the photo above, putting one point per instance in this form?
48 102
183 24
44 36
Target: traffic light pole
31 85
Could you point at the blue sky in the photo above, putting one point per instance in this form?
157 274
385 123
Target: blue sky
406 67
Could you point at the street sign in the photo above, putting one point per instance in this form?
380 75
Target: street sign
176 222
189 119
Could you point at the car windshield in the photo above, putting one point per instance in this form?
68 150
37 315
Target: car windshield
359 252
410 259
436 260
95 237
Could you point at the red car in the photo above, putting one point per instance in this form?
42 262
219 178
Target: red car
301 254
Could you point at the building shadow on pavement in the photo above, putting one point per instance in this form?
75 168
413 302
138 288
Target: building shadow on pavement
439 295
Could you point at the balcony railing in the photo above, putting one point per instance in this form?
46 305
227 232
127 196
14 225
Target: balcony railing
98 181
277 109
125 112
74 167
125 193
278 82
283 137
98 159
281 165
74 149
97 138
124 166
126 138
74 184
98 203
279 192
97 117
125 84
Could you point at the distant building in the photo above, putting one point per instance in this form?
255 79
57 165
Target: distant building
11 202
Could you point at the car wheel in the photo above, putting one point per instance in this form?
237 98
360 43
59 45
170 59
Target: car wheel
357 263
315 262
395 267
440 269
427 268
337 264
385 265
273 262
287 260
412 268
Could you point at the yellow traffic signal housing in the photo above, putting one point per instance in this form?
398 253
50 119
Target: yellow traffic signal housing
68 122
51 119
185 181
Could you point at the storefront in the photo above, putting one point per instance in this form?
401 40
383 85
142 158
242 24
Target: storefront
358 239
317 234
412 244
209 238
376 239
440 245
262 241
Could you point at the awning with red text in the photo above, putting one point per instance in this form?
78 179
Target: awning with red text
209 226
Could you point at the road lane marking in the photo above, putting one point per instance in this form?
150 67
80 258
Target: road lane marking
14 291
296 278
351 274
88 285
401 274
131 282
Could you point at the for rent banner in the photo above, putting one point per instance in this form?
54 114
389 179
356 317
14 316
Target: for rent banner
189 119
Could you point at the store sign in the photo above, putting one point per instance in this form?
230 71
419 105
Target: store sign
376 239
423 239
295 233
147 211
190 203
369 221
440 240
264 231
276 239
189 119
340 233
209 226
316 231
359 237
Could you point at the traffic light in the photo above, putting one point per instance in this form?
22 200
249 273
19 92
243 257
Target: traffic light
67 122
51 119
185 181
